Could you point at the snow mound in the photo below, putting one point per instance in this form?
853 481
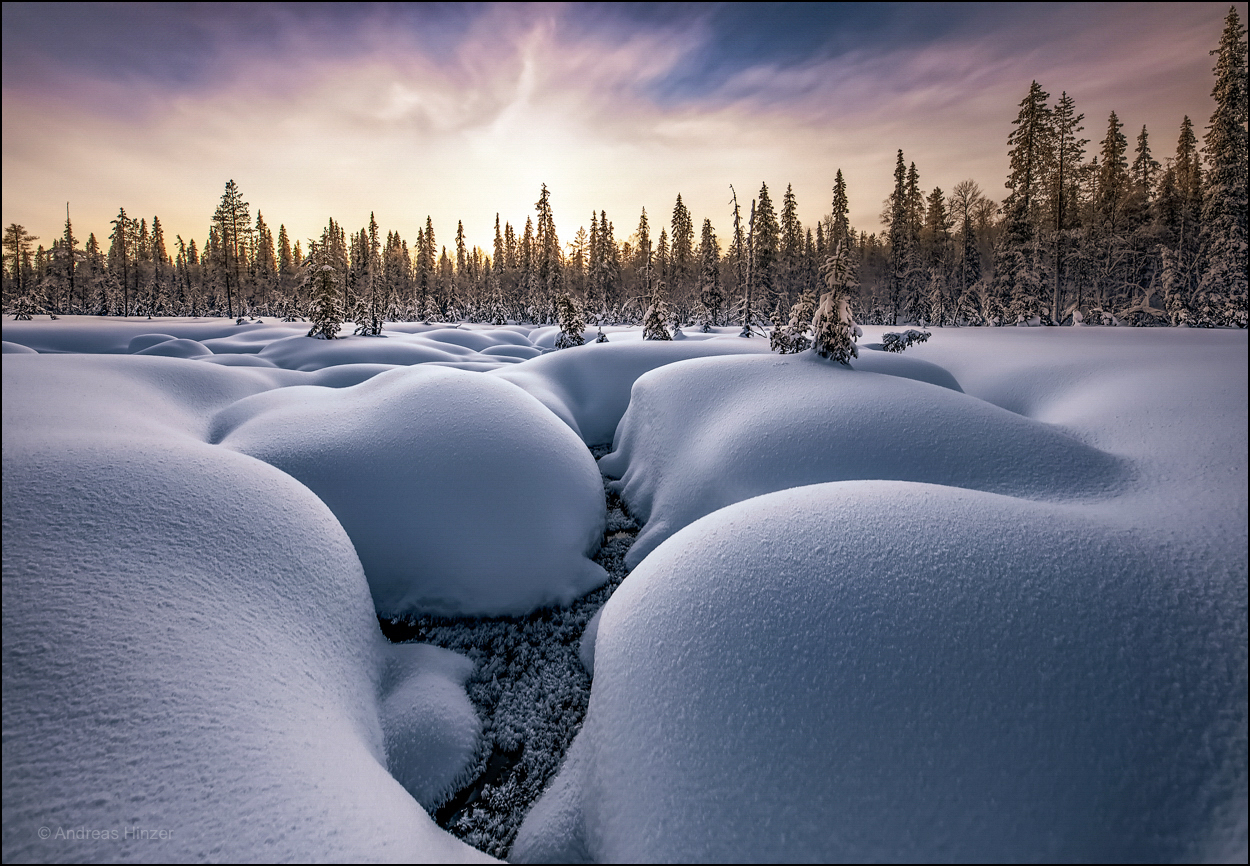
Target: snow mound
432 731
17 349
175 348
310 353
706 433
190 649
461 493
147 341
830 673
588 386
514 351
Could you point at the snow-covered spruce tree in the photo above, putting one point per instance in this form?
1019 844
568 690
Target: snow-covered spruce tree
602 337
571 323
325 310
795 337
833 328
710 296
1222 289
655 319
777 338
24 308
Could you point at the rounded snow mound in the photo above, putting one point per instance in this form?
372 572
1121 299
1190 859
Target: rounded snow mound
190 649
885 671
588 386
462 494
703 434
309 353
147 341
175 348
432 731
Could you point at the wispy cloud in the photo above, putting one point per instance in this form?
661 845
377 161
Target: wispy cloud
459 112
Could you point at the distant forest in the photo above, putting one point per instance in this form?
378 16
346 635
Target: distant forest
1113 236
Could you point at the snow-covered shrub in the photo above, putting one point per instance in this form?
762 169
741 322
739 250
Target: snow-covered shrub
655 321
792 337
895 342
571 323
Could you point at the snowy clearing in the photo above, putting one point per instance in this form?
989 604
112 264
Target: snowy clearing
986 599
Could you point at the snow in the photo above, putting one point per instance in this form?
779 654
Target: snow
588 386
833 673
704 434
984 600
1050 666
190 649
432 731
460 492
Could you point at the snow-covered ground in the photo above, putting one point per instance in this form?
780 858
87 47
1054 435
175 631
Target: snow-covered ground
986 599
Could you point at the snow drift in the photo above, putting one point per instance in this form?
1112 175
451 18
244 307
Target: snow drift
706 433
461 493
830 673
190 648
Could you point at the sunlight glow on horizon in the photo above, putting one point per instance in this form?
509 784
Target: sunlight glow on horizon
522 97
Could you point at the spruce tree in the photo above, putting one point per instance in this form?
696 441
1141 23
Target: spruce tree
765 250
1068 152
17 254
159 301
681 253
325 310
1016 289
742 262
1224 207
70 256
120 254
370 309
791 254
833 327
841 226
547 269
234 229
710 297
572 324
900 240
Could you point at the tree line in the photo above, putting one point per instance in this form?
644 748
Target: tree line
1108 236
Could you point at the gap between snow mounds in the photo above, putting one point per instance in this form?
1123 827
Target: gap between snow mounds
531 689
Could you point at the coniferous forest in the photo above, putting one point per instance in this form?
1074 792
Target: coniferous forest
1120 227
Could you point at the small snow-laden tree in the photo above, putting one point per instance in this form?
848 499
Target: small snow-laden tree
795 334
572 325
602 337
899 342
777 336
24 308
833 327
655 319
325 309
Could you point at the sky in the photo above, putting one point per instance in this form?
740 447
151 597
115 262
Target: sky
462 111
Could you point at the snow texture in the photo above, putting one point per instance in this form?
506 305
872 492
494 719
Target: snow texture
432 731
829 673
190 649
985 601
689 444
460 492
588 387
875 669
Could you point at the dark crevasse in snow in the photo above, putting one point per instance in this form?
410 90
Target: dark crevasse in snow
530 689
